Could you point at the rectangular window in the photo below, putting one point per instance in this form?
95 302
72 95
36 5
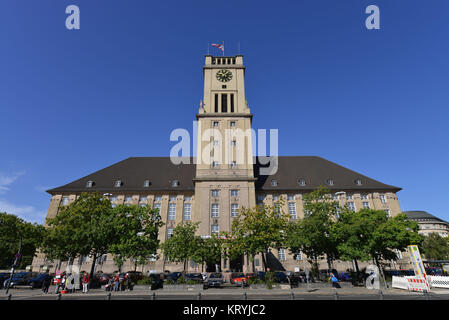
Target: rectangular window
351 206
187 211
232 123
215 193
364 197
169 233
172 198
232 102
65 201
275 198
128 199
187 198
158 207
224 102
388 212
215 210
365 204
142 204
260 197
215 124
298 256
233 164
234 210
382 198
143 199
349 196
292 210
234 193
233 143
281 254
216 102
291 197
158 198
214 164
214 229
172 211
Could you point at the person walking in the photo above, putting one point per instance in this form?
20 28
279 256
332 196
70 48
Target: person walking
86 280
334 281
46 284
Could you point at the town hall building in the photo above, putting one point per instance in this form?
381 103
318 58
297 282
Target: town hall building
214 185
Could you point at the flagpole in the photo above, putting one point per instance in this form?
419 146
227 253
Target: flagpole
223 48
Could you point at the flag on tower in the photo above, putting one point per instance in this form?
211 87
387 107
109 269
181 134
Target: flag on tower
219 46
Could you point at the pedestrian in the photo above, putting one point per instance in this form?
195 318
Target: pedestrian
116 282
86 279
127 282
46 284
334 281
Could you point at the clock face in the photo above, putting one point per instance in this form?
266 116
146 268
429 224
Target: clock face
224 75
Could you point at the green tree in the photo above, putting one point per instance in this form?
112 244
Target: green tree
82 228
12 228
435 247
136 229
312 234
209 250
256 230
183 244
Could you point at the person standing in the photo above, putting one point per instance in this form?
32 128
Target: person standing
86 280
116 282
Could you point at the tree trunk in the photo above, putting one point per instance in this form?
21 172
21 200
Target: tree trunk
185 263
357 269
92 268
264 262
381 271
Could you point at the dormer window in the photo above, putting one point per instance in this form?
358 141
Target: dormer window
118 183
89 184
302 182
358 182
274 183
146 183
175 183
330 182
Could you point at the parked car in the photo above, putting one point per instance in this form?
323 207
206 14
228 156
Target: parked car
280 277
238 278
344 276
434 271
214 280
104 278
135 276
174 276
197 277
19 279
37 281
297 277
3 277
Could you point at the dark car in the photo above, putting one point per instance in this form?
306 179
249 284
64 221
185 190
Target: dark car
104 278
174 276
3 277
344 276
20 279
280 277
297 277
196 277
38 280
434 271
135 276
214 280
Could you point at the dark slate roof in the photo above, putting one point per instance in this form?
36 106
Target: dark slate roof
423 216
316 171
161 172
133 172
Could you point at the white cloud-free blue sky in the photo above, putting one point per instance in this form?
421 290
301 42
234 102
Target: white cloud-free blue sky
73 102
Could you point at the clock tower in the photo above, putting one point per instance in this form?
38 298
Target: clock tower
224 180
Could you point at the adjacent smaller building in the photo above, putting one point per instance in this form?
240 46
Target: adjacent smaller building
428 223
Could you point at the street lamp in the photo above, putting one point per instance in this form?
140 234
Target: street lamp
16 260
